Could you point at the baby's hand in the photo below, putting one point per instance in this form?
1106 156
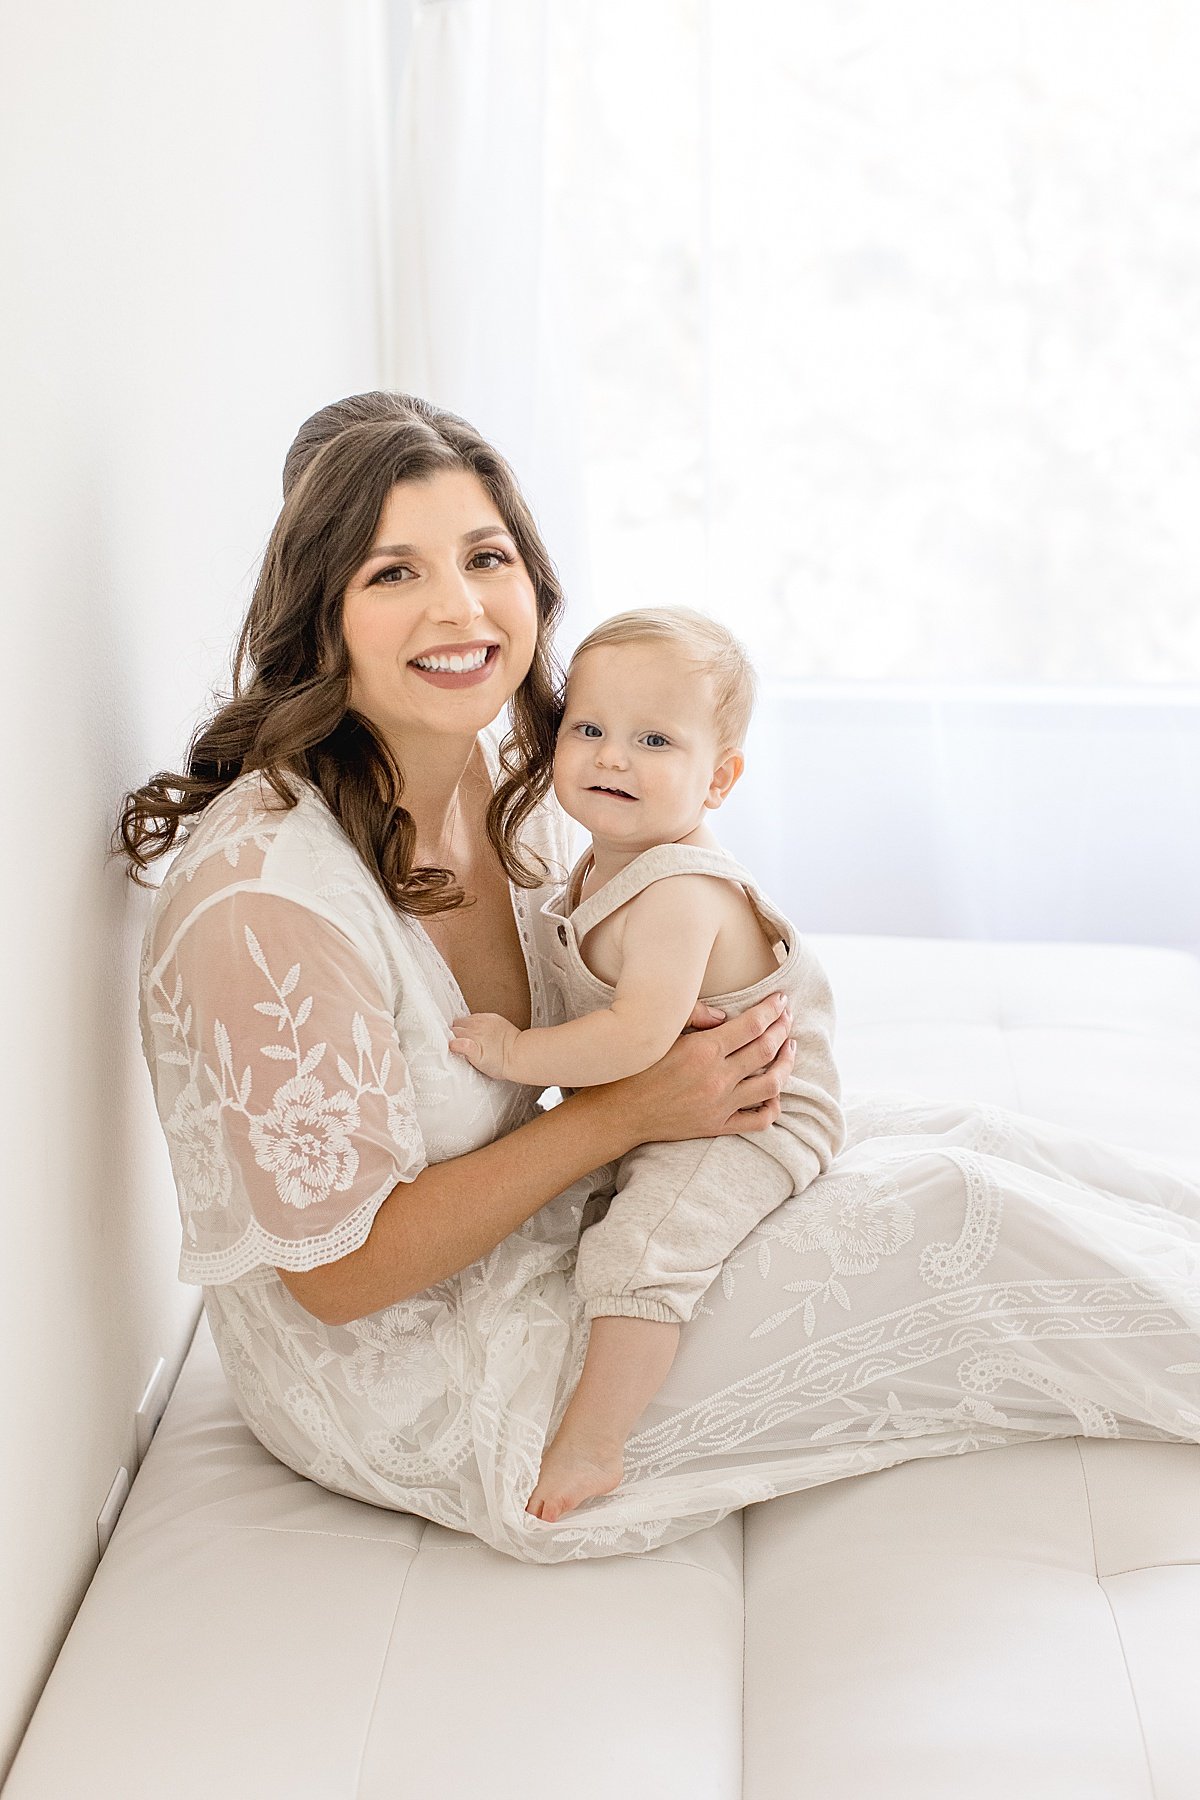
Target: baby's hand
485 1039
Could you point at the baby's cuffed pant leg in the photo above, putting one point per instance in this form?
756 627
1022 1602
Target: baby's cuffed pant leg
678 1212
630 1306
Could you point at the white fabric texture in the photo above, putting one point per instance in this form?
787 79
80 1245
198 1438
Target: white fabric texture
962 1277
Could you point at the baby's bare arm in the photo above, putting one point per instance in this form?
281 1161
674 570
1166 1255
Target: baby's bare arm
669 932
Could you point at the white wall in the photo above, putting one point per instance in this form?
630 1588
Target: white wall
185 217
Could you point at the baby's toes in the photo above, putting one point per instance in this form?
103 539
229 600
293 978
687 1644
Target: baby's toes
543 1504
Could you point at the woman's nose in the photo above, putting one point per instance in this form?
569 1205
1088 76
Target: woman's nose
454 600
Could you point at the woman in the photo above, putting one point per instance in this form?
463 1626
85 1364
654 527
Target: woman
385 1239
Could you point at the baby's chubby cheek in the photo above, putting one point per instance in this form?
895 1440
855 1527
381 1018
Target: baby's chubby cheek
561 776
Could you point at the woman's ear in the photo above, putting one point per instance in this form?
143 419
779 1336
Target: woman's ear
724 779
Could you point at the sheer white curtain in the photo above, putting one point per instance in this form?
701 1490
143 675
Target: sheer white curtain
476 320
872 330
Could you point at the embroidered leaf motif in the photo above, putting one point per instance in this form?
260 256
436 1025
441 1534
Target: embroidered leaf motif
346 1072
244 1090
839 1293
256 953
362 1037
727 1281
304 1010
764 1257
173 1056
187 1021
775 1319
385 1067
224 1047
290 980
828 1431
273 1010
311 1060
280 1052
810 1318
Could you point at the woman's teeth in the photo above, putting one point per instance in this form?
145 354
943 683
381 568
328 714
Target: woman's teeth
454 665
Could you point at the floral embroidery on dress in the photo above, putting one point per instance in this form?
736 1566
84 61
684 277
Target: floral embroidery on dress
395 1366
304 1140
852 1219
194 1131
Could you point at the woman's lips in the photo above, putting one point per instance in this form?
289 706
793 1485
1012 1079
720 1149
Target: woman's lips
459 678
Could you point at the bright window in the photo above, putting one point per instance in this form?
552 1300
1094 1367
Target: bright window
888 323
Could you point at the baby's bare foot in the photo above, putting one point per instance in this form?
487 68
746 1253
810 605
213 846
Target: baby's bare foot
574 1468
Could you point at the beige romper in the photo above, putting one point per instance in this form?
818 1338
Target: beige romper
680 1209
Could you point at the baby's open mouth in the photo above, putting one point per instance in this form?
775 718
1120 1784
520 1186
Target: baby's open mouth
617 793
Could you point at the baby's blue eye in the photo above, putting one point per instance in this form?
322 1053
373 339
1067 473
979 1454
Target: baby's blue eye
656 740
591 731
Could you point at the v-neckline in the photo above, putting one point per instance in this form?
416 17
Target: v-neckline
515 905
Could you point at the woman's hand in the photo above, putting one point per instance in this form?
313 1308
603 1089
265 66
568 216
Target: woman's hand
716 1080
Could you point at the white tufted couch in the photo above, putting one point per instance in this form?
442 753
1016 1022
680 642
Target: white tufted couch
1016 1624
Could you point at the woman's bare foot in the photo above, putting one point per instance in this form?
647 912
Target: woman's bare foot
574 1468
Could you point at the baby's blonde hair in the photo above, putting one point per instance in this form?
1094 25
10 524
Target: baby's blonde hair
710 648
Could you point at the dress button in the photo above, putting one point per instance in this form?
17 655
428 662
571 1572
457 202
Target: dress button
562 934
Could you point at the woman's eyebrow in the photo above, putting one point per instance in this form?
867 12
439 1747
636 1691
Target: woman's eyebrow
469 537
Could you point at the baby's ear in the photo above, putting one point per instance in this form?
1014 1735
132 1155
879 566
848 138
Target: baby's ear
725 778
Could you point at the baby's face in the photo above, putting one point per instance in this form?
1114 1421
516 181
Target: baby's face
637 747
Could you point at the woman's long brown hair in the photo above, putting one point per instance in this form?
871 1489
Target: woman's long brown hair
289 712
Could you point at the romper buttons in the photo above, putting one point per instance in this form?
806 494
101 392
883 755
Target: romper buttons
562 934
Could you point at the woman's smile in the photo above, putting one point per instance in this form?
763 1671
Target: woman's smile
456 665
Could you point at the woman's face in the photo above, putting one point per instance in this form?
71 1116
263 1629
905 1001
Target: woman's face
440 621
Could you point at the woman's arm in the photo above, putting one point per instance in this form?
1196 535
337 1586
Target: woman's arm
711 1083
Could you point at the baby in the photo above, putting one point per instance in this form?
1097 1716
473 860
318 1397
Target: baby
654 916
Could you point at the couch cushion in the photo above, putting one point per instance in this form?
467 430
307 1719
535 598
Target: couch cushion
250 1636
1104 1038
1023 1621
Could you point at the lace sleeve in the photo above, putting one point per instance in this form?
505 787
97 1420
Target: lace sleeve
286 1101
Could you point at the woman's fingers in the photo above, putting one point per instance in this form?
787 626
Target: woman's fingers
762 1051
704 1017
756 1118
766 1084
735 1034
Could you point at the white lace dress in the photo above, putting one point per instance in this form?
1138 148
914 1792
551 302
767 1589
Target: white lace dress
961 1278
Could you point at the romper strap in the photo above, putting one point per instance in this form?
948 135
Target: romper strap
651 866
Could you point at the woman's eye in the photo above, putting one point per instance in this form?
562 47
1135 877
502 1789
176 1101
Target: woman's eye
399 570
491 559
